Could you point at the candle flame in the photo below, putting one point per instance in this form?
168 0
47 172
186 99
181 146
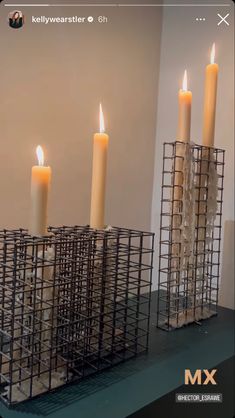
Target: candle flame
185 81
102 127
40 155
213 54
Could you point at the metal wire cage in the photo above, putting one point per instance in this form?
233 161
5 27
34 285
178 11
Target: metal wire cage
71 304
190 233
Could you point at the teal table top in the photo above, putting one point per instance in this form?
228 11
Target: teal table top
128 387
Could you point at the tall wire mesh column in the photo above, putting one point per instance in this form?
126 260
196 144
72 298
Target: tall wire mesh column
190 233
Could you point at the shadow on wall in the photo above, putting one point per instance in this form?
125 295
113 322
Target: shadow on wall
227 272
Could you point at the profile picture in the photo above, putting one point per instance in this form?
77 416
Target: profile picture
16 19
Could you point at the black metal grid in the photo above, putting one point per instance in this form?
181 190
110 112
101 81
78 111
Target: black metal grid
189 265
71 304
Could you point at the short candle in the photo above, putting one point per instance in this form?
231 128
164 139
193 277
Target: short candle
40 182
184 118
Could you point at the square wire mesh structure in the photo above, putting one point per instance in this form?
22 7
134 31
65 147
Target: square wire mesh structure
71 304
190 234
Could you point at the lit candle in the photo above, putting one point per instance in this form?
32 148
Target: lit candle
40 182
184 118
183 135
100 151
212 70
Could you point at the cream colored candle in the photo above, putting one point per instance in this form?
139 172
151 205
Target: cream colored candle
40 182
212 70
183 135
184 118
100 150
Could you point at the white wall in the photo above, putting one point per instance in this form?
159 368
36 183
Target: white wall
186 44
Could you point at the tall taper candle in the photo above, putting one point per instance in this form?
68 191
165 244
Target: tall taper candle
184 117
212 70
183 135
40 182
100 151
